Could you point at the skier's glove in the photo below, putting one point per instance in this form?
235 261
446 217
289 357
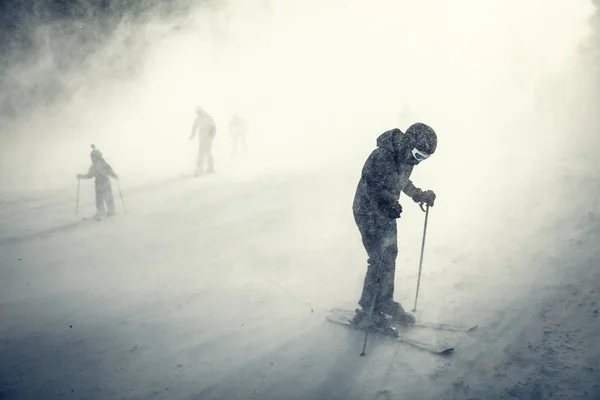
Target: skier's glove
394 211
427 197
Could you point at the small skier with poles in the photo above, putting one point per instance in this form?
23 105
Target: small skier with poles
386 174
102 172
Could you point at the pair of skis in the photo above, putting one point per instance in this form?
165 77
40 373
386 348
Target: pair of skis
344 317
98 218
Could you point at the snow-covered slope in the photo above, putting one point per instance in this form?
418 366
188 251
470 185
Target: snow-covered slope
217 289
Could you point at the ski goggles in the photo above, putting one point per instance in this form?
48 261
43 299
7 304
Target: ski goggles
419 155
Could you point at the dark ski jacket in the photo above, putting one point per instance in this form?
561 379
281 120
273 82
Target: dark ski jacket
384 176
100 170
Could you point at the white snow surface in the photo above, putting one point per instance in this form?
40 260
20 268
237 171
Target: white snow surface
216 288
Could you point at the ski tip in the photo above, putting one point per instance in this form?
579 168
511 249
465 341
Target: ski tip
447 352
471 329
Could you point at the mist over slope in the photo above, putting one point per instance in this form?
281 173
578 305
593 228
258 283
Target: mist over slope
316 81
217 288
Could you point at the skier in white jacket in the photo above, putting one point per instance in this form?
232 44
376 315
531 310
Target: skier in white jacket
205 126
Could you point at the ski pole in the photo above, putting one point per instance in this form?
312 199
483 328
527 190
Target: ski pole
376 289
422 249
121 194
77 205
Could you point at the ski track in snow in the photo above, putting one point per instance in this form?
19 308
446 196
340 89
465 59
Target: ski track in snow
209 290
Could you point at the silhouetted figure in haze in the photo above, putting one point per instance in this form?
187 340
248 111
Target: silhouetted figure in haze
238 128
386 174
102 172
205 126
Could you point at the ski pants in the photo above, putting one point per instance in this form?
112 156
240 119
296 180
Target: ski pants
205 153
379 236
104 195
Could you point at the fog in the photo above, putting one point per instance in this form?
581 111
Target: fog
504 84
316 81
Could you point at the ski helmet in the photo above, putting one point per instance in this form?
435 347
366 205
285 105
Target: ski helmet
95 154
422 137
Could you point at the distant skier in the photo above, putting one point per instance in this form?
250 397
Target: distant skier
102 172
384 176
238 129
204 124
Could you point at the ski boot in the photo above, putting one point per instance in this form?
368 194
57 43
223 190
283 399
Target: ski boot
99 216
399 316
378 322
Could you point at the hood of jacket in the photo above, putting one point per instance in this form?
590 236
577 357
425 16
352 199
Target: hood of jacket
392 141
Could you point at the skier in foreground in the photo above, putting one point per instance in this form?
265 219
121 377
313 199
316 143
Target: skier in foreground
204 124
102 171
384 176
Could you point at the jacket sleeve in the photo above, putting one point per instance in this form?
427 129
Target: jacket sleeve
195 127
378 172
89 175
411 190
110 171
